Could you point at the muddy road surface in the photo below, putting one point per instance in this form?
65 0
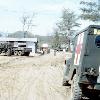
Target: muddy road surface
33 78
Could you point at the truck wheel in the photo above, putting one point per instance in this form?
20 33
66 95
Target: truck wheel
0 51
15 53
8 53
20 53
76 93
27 53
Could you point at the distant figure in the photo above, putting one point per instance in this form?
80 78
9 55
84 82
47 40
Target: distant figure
64 50
43 52
55 52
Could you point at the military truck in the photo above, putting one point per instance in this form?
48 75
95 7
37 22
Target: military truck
5 48
9 49
82 70
18 46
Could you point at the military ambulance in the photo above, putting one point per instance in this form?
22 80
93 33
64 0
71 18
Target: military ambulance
82 70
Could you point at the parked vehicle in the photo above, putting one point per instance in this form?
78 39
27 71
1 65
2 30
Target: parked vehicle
82 71
16 46
9 50
45 48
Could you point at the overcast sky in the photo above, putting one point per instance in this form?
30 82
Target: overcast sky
47 13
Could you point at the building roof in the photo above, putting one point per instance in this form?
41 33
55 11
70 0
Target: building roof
19 39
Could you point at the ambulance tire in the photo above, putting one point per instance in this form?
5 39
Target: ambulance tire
76 93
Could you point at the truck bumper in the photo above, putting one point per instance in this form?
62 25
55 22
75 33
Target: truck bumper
90 83
97 86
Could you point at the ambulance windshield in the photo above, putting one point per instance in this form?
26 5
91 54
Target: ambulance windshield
97 41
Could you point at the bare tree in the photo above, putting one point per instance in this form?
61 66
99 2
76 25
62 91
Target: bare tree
24 21
30 22
27 22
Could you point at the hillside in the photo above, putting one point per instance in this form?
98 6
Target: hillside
21 34
45 39
41 39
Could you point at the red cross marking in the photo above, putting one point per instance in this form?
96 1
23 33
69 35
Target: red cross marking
78 48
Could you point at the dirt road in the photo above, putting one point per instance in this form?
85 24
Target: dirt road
32 78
